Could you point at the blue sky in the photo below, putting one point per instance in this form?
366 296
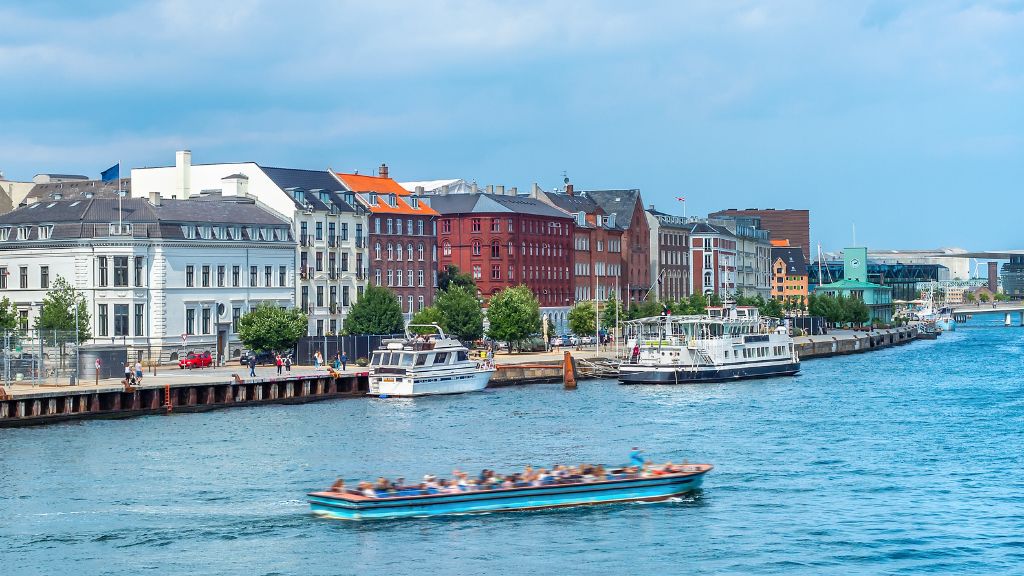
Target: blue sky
905 118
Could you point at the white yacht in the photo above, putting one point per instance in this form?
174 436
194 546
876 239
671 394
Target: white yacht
422 365
726 344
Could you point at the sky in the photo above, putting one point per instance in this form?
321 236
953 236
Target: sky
902 119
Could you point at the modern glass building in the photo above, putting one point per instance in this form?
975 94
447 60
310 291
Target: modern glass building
902 278
1013 276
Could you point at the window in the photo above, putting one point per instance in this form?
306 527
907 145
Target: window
398 278
399 252
446 226
304 299
319 230
477 274
376 251
23 277
254 276
344 261
206 274
391 278
376 277
344 230
138 271
330 232
408 252
268 275
319 295
446 248
103 271
334 326
236 273
410 301
220 276
410 275
3 277
236 315
140 319
475 226
23 319
419 306
319 261
344 296
376 226
206 320
495 272
319 327
495 224
495 248
190 276
44 277
419 227
102 320
390 226
120 271
510 225
333 299
476 247
391 251
419 278
282 275
419 251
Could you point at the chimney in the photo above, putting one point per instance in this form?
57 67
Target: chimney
155 199
473 188
535 192
651 207
513 192
490 189
444 190
183 172
568 189
383 170
499 190
419 190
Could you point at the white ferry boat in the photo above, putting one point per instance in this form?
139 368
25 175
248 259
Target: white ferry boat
726 344
422 365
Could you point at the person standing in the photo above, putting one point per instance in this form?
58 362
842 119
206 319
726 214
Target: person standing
138 371
127 373
635 458
279 363
252 365
317 360
344 360
288 363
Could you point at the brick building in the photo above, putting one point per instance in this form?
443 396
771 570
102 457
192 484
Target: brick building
504 240
627 209
597 245
401 237
712 260
669 254
792 225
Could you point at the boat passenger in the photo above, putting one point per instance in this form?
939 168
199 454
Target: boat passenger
508 483
367 490
635 459
338 486
600 474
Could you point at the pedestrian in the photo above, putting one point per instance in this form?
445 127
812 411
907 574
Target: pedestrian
344 360
127 373
288 363
138 371
337 362
279 363
252 365
317 359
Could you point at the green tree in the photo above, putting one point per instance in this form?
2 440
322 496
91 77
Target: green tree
58 310
1001 296
697 304
268 328
609 311
9 315
772 308
982 297
376 312
460 312
514 315
857 312
428 315
450 276
581 319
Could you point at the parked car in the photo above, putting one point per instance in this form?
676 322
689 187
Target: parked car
262 358
587 340
193 360
557 341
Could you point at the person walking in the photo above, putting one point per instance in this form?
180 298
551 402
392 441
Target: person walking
344 360
279 363
138 371
252 365
288 363
127 373
337 362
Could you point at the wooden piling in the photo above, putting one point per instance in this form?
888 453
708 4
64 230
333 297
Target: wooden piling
568 371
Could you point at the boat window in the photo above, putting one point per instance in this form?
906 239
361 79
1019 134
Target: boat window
385 359
441 358
421 359
462 356
406 359
375 359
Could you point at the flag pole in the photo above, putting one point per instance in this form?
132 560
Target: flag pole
119 195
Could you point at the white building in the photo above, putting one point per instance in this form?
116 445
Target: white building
327 222
959 267
151 272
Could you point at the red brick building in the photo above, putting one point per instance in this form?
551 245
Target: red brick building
402 239
507 240
792 225
626 209
712 260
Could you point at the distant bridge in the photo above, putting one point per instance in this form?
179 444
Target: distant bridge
961 312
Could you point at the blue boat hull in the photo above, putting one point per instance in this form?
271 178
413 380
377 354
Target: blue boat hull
531 498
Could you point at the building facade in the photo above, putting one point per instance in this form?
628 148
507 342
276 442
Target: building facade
712 260
669 255
753 255
330 259
402 236
159 278
855 284
597 260
626 206
789 275
788 224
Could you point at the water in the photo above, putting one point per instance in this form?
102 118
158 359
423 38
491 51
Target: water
901 461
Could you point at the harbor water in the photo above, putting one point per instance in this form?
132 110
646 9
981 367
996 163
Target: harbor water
902 461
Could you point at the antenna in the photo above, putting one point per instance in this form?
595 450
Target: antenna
854 225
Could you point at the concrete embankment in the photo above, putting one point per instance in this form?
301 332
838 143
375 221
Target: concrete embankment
850 342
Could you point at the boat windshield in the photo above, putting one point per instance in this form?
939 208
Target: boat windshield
406 359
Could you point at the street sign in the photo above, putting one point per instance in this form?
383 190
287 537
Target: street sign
184 339
98 363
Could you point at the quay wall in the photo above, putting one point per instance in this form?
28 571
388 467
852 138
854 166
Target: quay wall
825 346
46 407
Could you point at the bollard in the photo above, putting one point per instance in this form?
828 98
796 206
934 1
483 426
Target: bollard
568 372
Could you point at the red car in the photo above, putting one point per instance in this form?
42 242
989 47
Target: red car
194 360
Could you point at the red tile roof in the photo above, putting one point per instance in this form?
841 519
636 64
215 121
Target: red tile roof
361 183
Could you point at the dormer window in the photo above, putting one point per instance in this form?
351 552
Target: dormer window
119 229
393 200
5 233
325 197
45 231
415 203
188 231
373 198
23 232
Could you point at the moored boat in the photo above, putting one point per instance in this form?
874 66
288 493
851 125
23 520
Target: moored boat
615 487
423 365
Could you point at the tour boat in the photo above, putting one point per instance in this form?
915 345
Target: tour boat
618 486
423 365
726 344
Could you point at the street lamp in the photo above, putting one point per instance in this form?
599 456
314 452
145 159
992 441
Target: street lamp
78 352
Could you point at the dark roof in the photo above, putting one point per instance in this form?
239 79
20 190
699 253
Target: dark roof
306 181
705 228
574 203
492 203
622 203
64 176
80 217
78 189
794 259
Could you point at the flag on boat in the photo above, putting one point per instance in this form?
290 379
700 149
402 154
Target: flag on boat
112 173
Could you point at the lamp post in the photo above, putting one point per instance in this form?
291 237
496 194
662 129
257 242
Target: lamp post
78 352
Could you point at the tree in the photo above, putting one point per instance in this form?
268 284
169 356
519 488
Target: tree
514 315
58 310
1001 296
581 319
645 309
428 315
9 315
376 312
772 308
857 311
982 297
697 304
610 312
460 312
450 276
268 328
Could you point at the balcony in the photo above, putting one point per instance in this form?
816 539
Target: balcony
333 274
305 240
303 274
333 242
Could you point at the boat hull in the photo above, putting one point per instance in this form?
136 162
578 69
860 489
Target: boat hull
428 385
650 489
687 375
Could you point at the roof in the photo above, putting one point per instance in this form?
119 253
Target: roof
403 205
793 258
79 188
847 284
304 182
574 203
493 203
64 176
622 203
698 228
382 185
430 185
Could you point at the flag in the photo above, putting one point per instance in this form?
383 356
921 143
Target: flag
681 199
112 173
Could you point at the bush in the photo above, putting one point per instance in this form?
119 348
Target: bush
362 361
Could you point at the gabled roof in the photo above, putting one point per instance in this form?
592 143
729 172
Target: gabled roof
493 203
381 185
622 203
574 204
793 259
432 185
698 228
403 205
306 181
